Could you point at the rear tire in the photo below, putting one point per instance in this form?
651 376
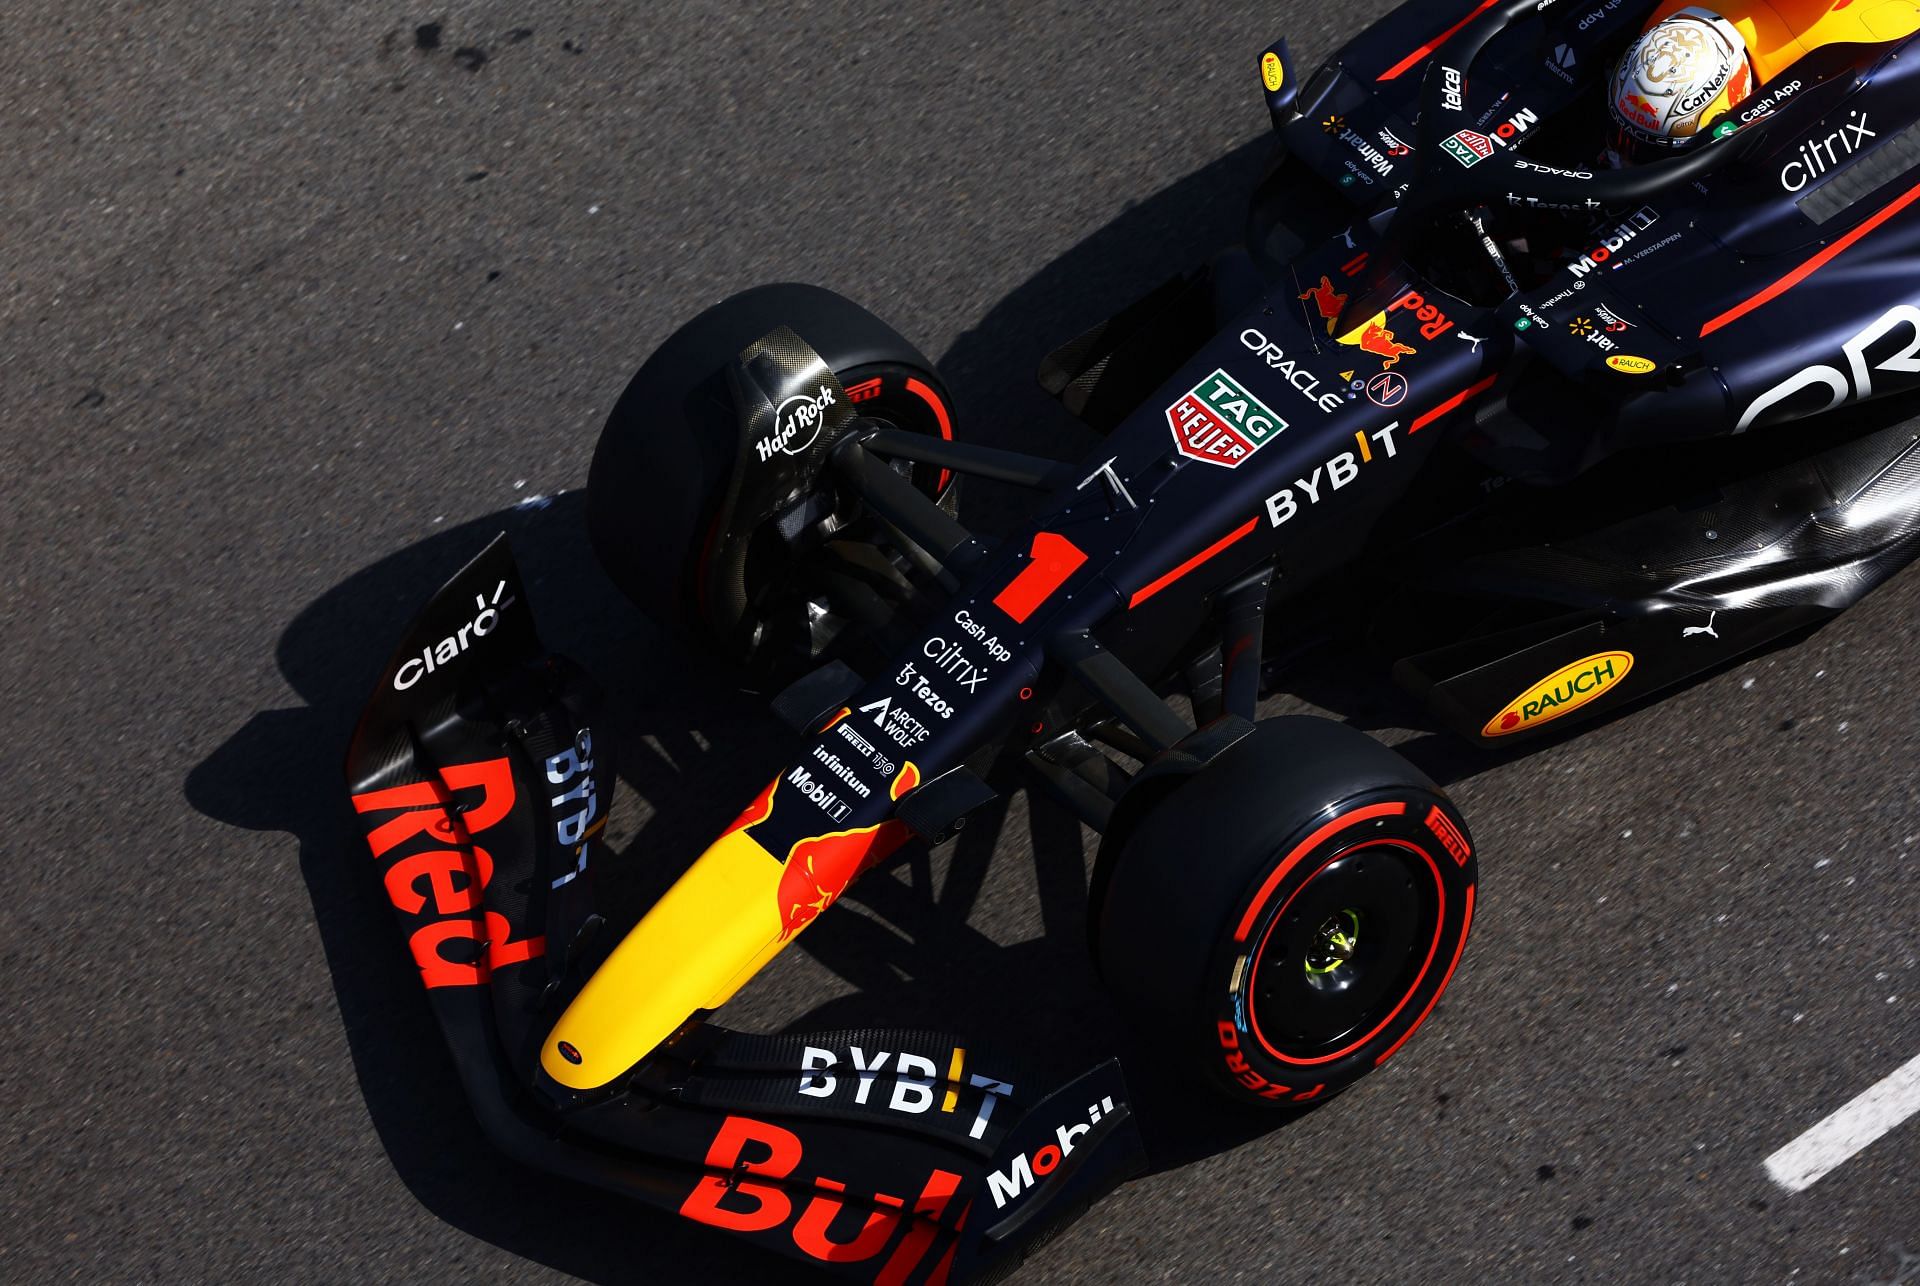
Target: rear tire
1283 920
667 453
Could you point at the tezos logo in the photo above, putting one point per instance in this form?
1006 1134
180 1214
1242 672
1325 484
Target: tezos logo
796 424
1221 423
1560 693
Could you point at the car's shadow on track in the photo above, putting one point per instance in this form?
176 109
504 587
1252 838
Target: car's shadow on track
283 772
693 748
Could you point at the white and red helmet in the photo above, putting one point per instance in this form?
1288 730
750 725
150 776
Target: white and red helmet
1685 72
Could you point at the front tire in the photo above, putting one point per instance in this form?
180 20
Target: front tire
669 450
1282 921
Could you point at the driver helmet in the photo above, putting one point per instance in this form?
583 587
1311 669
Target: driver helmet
1682 75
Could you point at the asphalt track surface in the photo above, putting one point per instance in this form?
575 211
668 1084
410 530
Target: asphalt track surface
293 312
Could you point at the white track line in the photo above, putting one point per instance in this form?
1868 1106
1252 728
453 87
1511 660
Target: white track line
1809 1158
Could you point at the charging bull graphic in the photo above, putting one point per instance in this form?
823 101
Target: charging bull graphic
1375 337
818 870
1327 301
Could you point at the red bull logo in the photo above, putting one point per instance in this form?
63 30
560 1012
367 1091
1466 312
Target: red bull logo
1381 342
1640 109
818 870
1327 301
1433 322
1376 337
436 876
755 1184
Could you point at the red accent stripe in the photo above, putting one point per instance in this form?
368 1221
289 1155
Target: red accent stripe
919 389
932 399
1812 265
1465 925
1452 404
1358 815
1238 534
1054 560
1439 931
1426 51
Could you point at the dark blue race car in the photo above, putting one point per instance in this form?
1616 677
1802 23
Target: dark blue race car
1538 368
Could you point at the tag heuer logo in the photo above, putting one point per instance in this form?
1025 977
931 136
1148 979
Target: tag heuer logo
1469 147
1219 422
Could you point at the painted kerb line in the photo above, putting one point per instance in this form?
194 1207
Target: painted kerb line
1809 1158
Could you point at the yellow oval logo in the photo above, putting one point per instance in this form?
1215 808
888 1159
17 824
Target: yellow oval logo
1562 692
1273 73
1633 365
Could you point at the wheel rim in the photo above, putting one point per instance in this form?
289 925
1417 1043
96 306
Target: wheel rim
1342 955
1328 960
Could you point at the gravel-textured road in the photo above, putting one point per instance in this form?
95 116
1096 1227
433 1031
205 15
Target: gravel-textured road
298 301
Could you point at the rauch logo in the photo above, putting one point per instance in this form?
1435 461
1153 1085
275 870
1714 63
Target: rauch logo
1560 693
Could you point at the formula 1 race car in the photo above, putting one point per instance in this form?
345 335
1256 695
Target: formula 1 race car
1521 411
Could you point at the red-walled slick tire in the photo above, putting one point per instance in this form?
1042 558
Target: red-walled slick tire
1285 919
